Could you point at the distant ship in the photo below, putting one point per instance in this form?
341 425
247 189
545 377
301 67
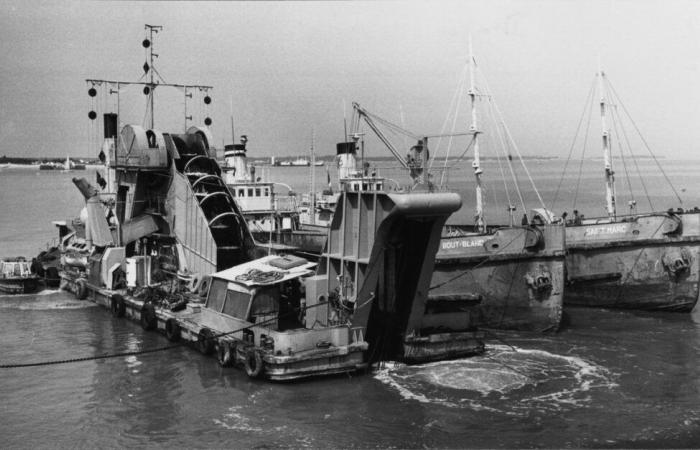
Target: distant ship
48 166
300 162
70 165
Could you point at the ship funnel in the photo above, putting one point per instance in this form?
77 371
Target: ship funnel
347 164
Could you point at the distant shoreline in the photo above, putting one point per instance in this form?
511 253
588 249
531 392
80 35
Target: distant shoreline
20 160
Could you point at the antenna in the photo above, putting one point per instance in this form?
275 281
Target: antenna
345 123
233 134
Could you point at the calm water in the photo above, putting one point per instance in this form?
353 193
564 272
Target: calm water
608 379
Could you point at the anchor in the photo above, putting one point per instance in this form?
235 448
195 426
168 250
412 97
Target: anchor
677 263
540 281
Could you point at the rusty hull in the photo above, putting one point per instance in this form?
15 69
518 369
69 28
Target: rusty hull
648 262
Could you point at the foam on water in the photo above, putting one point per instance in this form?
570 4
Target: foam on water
506 379
43 300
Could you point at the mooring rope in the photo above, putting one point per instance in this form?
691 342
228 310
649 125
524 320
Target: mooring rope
151 350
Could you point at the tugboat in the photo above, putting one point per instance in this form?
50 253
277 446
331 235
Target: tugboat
179 258
272 219
16 276
643 261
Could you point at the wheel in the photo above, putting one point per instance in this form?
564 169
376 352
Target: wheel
205 341
172 330
149 321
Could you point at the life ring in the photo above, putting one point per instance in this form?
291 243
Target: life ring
253 364
225 354
149 321
172 330
203 289
117 305
194 284
205 341
81 290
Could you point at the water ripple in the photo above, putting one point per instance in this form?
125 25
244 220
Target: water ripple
507 380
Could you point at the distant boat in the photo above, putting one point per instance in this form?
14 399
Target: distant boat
303 162
16 276
70 165
48 166
319 163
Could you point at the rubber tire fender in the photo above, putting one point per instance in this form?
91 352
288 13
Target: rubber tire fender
117 305
225 354
253 364
205 341
172 330
149 321
81 290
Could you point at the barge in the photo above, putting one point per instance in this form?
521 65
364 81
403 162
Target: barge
643 261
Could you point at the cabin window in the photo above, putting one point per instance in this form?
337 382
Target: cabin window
265 304
217 294
236 304
267 192
257 192
241 192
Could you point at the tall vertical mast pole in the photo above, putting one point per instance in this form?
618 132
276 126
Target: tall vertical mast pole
152 29
476 163
313 178
607 157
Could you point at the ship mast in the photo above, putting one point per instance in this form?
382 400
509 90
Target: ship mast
607 157
476 163
313 178
152 29
151 83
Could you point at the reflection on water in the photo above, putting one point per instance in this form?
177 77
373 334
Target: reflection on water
43 300
509 380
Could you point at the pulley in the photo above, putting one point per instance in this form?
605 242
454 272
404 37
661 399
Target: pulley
146 43
92 92
146 67
207 121
207 100
92 115
146 90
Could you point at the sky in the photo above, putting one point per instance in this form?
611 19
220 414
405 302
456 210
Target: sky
287 71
